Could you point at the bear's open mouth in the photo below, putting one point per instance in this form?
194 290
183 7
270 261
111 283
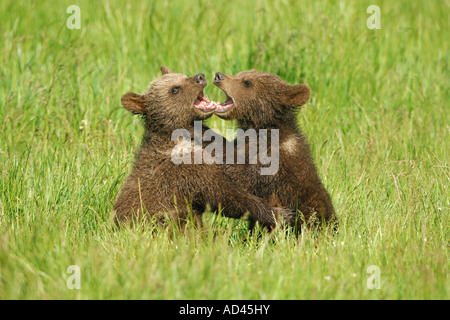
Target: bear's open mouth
202 103
224 106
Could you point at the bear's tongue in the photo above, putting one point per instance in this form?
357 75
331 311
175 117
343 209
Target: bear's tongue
222 107
204 104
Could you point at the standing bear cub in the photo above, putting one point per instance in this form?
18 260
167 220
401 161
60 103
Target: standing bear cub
159 187
260 100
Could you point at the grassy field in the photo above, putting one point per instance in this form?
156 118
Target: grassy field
377 121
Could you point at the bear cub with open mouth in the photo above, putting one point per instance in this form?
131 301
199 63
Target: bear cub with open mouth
260 100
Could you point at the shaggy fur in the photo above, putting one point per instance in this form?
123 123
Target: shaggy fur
161 188
263 100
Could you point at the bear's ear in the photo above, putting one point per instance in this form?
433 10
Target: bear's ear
297 95
133 102
165 70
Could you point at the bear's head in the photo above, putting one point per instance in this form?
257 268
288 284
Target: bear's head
171 102
258 99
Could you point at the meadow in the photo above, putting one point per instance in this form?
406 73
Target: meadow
377 122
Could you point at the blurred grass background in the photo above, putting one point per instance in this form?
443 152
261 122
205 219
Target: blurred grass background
377 121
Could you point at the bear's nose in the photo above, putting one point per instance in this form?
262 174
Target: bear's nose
219 77
200 79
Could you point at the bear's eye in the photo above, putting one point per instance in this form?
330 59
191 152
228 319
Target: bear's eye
247 83
175 90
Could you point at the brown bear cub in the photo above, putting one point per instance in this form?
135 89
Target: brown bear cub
159 187
260 100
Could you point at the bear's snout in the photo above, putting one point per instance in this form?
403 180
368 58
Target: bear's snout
219 77
201 79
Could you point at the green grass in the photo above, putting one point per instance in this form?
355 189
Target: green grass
378 124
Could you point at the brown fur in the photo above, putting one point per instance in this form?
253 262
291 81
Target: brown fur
158 186
263 100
